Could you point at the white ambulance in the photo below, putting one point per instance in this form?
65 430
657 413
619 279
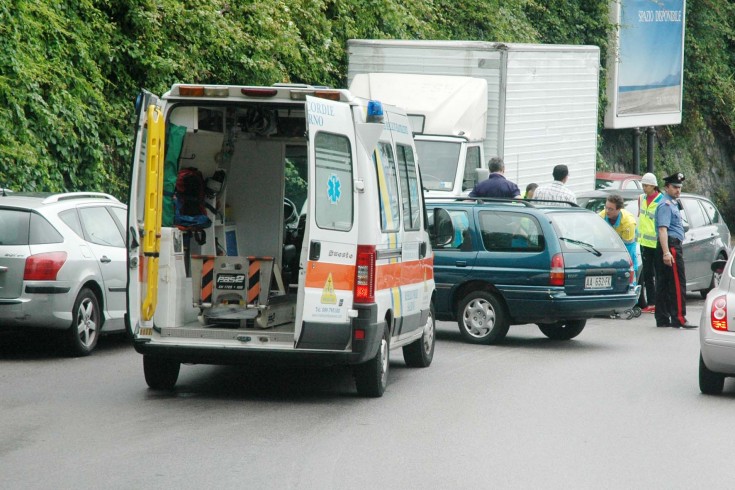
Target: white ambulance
317 250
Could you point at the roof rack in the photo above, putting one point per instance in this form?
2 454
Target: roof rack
78 195
531 203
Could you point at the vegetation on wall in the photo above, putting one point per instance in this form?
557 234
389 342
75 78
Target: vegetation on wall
70 70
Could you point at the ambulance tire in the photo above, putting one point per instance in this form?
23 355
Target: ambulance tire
421 352
371 377
160 374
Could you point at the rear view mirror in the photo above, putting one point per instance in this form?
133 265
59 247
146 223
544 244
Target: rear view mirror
441 228
718 266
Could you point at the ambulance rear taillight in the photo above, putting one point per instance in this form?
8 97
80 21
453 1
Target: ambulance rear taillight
203 91
300 94
365 274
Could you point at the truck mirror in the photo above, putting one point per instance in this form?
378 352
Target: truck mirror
441 228
482 174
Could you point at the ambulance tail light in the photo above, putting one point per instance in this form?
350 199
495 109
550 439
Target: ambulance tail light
202 91
718 313
261 93
557 270
43 267
365 274
328 94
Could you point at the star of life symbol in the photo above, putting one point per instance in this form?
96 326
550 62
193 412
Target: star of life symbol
334 191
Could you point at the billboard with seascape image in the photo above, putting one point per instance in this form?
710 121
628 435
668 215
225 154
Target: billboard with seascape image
645 73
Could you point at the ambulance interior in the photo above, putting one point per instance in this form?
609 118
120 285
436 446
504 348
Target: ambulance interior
245 272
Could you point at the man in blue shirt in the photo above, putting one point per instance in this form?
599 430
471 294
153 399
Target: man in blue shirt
496 185
670 276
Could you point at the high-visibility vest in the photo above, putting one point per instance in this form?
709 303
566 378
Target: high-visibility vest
647 220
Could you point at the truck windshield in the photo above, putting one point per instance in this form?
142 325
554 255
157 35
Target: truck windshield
438 161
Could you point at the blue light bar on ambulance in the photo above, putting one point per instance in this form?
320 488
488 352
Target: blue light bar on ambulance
374 112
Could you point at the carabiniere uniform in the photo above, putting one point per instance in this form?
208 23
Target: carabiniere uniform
670 281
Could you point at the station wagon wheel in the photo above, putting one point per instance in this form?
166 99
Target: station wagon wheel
710 383
482 318
421 352
85 326
160 374
371 377
564 330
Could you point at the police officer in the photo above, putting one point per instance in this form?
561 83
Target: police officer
670 276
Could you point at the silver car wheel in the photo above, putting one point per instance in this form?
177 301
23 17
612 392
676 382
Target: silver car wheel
87 323
479 317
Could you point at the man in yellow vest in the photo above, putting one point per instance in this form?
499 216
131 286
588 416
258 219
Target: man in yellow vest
647 204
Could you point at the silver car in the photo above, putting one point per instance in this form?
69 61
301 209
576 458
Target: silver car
717 331
706 236
63 264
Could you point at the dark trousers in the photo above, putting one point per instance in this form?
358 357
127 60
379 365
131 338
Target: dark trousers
647 277
671 286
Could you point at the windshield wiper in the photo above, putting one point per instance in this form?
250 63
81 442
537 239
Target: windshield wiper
584 245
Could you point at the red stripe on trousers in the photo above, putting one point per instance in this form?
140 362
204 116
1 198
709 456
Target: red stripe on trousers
675 267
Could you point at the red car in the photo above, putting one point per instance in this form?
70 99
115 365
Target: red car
612 180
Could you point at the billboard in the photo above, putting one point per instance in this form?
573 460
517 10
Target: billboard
646 65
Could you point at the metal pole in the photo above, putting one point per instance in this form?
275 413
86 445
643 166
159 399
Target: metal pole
651 136
637 151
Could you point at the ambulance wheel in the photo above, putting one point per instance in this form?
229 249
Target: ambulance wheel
563 330
421 352
371 377
84 331
482 318
160 374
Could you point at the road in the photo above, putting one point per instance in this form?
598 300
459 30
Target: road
618 407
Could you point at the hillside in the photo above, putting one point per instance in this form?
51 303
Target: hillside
70 71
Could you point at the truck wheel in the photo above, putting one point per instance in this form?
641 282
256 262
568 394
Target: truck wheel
710 383
84 331
421 352
564 330
160 374
482 318
371 377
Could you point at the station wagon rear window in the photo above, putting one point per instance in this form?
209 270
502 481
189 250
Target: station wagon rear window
585 231
510 232
20 227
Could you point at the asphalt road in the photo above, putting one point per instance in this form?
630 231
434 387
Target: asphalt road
618 407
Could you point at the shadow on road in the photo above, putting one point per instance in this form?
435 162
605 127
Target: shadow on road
39 345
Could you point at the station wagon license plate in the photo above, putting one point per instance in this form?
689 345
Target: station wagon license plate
597 282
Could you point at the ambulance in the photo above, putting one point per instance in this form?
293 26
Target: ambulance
316 249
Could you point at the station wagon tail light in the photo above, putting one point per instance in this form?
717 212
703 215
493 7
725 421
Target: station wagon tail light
365 274
259 92
718 315
557 270
43 267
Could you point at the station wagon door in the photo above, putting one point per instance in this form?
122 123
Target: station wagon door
327 264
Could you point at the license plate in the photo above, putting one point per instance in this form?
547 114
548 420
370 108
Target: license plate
597 282
230 281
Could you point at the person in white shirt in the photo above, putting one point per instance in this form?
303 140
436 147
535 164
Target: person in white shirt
557 190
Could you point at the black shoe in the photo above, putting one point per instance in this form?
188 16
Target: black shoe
664 325
688 325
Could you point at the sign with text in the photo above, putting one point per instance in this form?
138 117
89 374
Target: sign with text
646 65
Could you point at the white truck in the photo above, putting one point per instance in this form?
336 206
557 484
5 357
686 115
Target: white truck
542 103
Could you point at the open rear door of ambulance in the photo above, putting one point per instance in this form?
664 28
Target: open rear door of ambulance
328 254
150 129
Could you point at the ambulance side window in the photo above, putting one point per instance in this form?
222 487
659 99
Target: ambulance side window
387 187
333 199
409 188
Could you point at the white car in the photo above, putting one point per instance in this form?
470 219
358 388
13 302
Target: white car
717 330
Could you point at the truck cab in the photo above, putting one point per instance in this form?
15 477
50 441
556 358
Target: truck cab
448 116
341 282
